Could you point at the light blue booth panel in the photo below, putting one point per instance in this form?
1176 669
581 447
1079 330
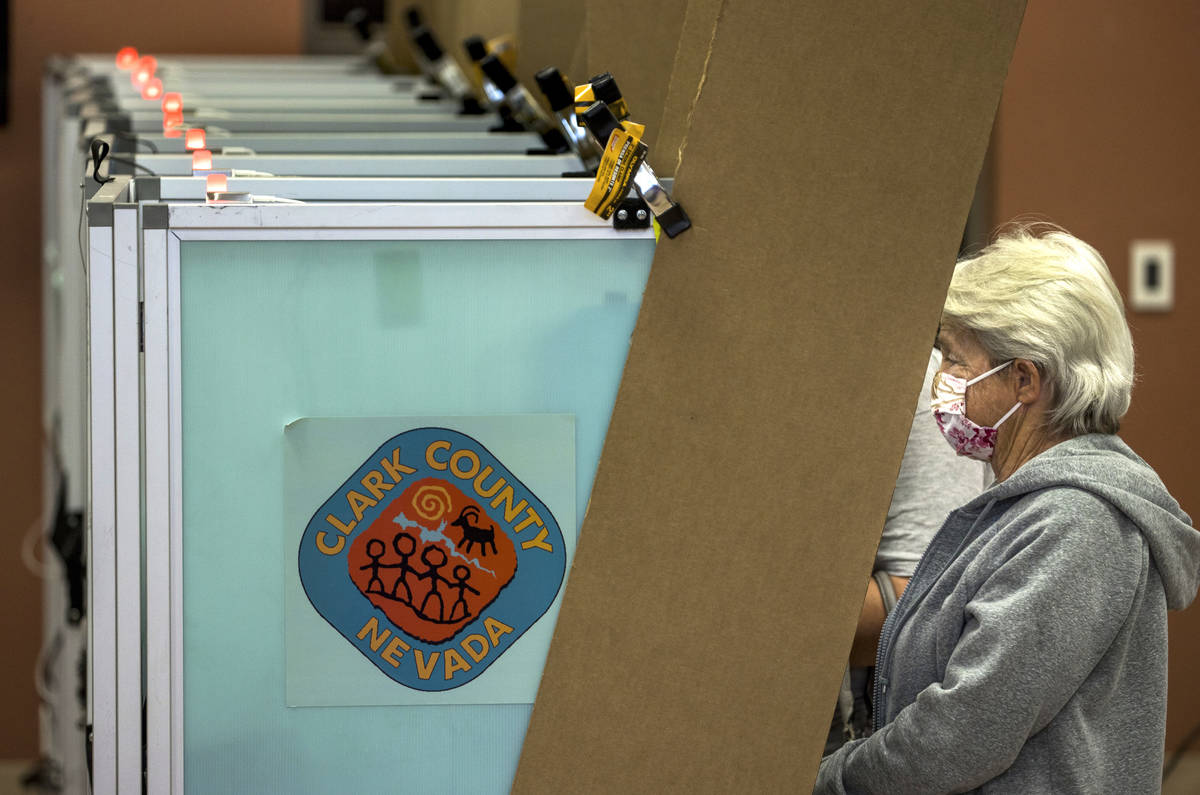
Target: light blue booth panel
273 331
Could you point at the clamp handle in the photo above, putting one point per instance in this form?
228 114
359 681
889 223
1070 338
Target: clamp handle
605 89
600 121
423 38
498 73
552 84
476 48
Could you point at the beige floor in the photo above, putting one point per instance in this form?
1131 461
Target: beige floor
10 777
1184 781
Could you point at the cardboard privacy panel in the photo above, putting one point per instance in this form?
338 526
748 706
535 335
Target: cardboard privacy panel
828 171
451 21
548 32
636 42
486 18
691 57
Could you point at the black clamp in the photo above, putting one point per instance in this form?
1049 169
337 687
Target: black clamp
495 70
412 15
424 39
471 107
476 48
360 21
599 119
552 84
507 122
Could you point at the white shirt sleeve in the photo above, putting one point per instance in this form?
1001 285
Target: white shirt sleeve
933 481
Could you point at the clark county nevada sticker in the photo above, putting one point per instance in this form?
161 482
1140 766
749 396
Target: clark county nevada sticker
432 559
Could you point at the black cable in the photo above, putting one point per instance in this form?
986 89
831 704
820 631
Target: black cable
1177 757
132 163
128 136
99 149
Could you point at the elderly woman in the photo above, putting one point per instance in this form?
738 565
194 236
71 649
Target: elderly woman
1029 651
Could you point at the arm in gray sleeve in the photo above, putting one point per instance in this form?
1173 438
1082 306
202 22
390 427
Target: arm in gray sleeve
1031 634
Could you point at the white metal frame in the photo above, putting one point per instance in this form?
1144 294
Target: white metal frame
127 473
156 389
68 331
101 519
68 275
163 420
263 121
175 521
103 62
395 102
114 462
388 189
372 165
360 143
211 89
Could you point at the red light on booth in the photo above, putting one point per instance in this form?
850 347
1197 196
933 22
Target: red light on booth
201 160
143 71
216 183
152 89
127 57
173 121
172 132
172 102
194 139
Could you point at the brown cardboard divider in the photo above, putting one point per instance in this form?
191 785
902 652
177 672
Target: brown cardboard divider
636 41
452 21
486 18
438 15
548 32
396 34
767 397
696 37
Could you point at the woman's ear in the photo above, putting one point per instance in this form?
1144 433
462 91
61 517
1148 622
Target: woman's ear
1030 383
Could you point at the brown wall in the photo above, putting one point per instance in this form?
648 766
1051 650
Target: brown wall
38 29
1098 132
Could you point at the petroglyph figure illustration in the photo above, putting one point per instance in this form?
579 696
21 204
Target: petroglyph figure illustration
434 558
405 545
474 534
461 575
375 550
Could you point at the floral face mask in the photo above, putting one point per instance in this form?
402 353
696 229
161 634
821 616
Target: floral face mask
949 407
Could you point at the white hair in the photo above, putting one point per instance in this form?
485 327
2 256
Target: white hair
1048 297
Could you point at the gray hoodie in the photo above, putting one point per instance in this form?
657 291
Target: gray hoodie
1029 652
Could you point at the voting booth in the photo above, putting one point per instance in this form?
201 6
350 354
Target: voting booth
506 324
564 298
346 367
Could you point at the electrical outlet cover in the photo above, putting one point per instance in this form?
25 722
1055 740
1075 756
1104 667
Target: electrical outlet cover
1151 275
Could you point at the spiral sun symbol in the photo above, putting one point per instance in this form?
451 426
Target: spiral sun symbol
431 502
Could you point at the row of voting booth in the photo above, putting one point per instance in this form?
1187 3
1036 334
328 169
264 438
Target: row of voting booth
331 355
258 271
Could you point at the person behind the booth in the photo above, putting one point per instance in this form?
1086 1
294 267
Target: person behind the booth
1029 652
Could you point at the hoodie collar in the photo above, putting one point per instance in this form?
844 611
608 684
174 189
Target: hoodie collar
1104 465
